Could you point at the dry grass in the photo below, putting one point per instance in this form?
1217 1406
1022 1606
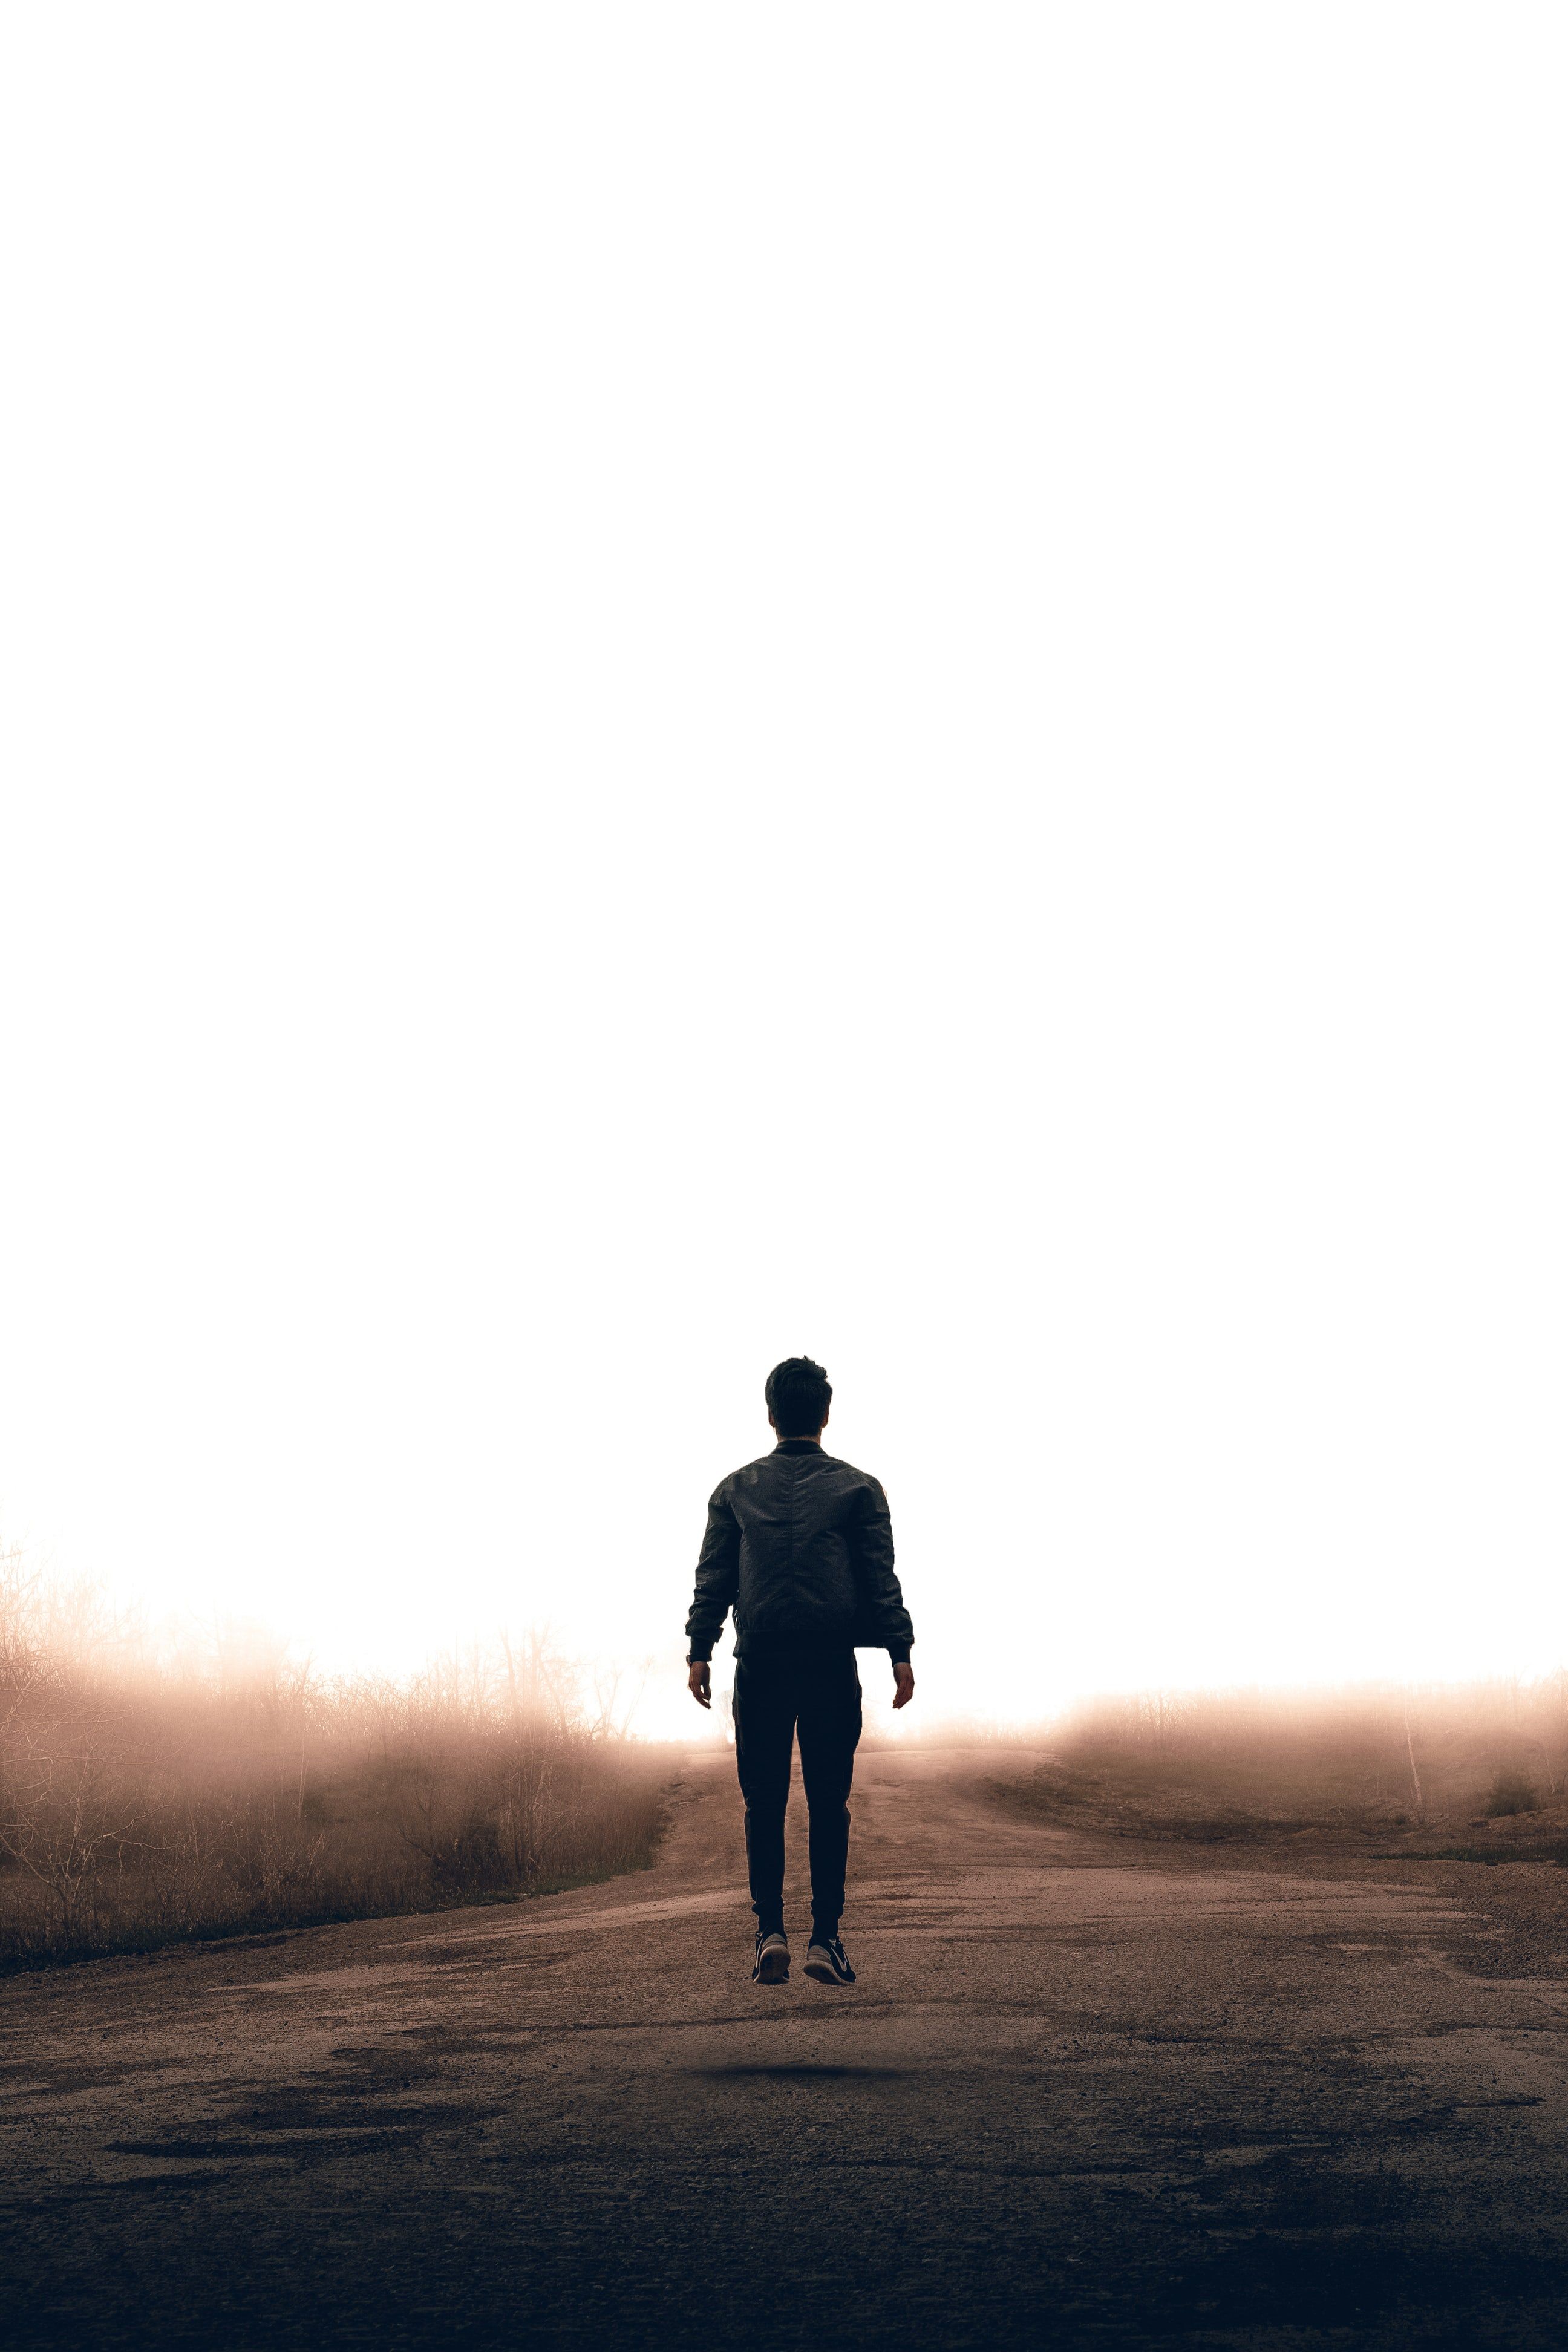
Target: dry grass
142 1801
1404 1769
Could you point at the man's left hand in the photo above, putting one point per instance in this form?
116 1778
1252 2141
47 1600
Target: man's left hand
903 1684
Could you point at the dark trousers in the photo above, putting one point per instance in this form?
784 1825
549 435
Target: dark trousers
779 1695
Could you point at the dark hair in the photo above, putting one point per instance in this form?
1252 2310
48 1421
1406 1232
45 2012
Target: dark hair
798 1396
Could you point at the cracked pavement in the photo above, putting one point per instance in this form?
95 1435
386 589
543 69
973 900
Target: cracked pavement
1080 2096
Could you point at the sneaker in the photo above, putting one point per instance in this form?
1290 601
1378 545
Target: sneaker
773 1958
826 1962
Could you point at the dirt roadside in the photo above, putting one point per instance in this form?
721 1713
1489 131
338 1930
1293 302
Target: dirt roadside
1516 1910
1082 2095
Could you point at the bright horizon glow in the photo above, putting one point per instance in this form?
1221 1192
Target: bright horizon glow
689 685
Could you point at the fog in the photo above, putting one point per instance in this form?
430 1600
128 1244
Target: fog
687 689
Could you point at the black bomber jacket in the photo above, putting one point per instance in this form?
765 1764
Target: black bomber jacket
800 1546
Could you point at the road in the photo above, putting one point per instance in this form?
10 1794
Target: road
1079 2097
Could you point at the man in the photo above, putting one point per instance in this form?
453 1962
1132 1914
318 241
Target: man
800 1546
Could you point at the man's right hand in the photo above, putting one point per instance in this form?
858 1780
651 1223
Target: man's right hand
699 1682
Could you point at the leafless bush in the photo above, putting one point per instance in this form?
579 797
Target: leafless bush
222 1789
1218 1765
1510 1793
63 1816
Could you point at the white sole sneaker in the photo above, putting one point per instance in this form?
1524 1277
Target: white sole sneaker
773 1964
824 1966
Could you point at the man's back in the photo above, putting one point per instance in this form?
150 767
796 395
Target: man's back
800 1545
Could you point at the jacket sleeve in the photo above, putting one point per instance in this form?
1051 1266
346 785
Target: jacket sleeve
881 1598
718 1578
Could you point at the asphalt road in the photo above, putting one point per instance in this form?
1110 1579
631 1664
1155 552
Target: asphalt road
1079 2097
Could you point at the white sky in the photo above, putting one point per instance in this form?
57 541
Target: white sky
693 683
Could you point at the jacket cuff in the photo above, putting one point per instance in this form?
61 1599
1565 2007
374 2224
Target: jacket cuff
698 1654
900 1653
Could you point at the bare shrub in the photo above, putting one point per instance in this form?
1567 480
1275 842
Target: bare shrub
1510 1793
1218 1766
63 1816
224 1789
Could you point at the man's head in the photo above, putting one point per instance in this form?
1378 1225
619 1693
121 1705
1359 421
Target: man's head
798 1397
